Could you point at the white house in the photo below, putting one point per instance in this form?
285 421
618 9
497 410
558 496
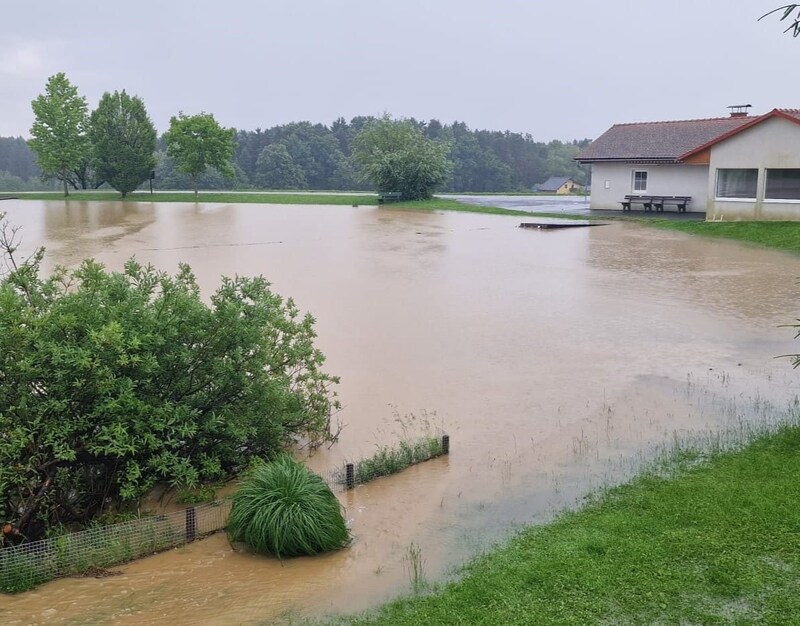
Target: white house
734 168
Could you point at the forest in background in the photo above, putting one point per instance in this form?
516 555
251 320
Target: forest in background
302 155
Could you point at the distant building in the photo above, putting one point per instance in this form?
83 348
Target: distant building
559 185
736 167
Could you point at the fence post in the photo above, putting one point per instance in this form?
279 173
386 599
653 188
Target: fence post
445 444
191 524
350 475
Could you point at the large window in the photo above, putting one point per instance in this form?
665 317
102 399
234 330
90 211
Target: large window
639 180
782 185
735 183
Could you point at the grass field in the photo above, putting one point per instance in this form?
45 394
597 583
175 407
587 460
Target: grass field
206 196
716 542
780 235
436 204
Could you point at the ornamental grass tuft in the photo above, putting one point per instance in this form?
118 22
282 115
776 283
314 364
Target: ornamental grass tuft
282 508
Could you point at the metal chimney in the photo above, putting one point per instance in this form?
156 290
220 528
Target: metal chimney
739 110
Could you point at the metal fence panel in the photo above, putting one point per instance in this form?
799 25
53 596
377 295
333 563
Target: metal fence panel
26 565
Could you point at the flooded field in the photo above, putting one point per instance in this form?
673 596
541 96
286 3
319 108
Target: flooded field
556 361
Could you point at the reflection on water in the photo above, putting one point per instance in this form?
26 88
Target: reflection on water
551 358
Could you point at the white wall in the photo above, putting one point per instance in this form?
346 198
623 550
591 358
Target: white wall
611 182
774 143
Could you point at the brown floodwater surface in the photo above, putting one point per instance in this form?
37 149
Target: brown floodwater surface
556 360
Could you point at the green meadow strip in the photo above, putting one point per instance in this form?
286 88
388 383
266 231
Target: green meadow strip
207 197
778 235
712 540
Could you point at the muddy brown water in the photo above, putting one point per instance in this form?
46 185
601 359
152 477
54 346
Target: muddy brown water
556 360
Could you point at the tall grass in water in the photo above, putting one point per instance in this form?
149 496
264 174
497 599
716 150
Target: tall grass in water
415 565
391 460
284 509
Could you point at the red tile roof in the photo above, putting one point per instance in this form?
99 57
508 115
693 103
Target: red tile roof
670 142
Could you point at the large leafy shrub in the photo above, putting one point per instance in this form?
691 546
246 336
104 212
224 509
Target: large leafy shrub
396 156
113 381
284 509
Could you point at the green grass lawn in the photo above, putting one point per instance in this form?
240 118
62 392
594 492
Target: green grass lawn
716 543
436 204
780 235
206 196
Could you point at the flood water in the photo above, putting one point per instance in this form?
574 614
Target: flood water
555 360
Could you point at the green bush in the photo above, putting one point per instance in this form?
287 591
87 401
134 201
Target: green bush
284 509
145 383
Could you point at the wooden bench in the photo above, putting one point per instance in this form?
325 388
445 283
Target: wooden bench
656 203
646 201
678 201
389 196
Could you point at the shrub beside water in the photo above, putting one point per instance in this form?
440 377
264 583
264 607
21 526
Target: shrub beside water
282 508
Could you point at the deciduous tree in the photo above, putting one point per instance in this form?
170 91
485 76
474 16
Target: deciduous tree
395 155
123 141
58 134
198 142
276 169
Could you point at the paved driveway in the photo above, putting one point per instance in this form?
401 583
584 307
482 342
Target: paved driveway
568 205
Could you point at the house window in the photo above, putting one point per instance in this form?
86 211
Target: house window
736 183
782 185
639 180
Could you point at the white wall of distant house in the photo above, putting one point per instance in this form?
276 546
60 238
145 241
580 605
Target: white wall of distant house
611 182
774 143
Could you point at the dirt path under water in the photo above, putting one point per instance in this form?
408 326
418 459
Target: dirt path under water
555 360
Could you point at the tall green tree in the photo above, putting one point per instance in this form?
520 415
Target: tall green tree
395 156
58 134
123 141
198 142
276 169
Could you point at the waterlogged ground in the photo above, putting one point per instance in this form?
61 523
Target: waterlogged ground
556 360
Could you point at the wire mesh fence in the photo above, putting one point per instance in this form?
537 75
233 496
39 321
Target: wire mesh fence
29 564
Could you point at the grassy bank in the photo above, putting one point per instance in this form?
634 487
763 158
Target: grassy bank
232 197
717 542
779 235
444 204
436 204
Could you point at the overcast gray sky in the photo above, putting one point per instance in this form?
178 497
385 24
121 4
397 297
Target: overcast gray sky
554 69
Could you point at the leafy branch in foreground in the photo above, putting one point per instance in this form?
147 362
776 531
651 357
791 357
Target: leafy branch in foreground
788 12
111 382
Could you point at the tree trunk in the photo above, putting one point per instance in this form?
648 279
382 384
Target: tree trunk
66 187
194 184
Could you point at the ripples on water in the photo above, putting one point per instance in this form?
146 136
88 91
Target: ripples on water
555 360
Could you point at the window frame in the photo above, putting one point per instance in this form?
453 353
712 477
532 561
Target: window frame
641 179
767 198
750 198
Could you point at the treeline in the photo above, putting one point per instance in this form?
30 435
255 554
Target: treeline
301 155
18 168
